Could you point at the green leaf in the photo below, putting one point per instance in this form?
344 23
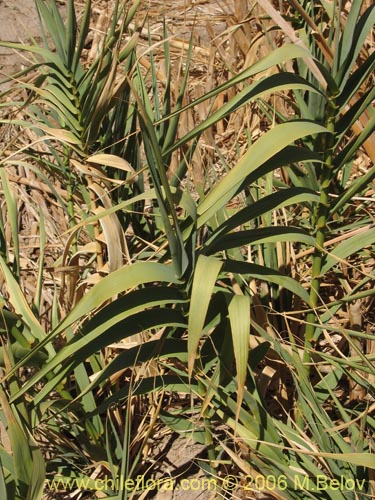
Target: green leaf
49 57
70 33
113 284
271 202
117 282
348 247
19 352
273 58
355 81
82 347
271 234
258 89
353 146
22 456
38 473
178 422
166 383
354 112
260 152
205 275
145 352
239 316
50 14
354 188
327 384
268 275
161 184
346 42
3 489
12 212
21 307
353 39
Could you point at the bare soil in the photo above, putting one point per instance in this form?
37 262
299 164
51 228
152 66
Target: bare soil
19 23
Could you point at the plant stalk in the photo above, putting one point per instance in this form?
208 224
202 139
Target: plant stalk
321 216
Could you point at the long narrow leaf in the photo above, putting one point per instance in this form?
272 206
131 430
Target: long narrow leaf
84 29
262 151
117 282
271 84
275 57
348 247
20 446
239 316
272 202
38 473
268 275
271 234
206 272
362 30
352 148
21 307
82 348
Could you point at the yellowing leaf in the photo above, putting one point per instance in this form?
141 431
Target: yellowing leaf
111 161
60 134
